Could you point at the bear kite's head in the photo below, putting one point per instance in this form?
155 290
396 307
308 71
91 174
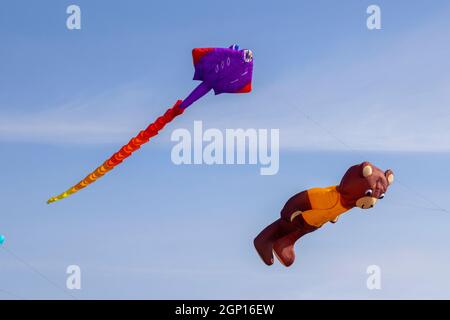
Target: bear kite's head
363 184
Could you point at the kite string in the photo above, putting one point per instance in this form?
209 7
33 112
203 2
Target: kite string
334 136
408 205
43 276
426 199
11 294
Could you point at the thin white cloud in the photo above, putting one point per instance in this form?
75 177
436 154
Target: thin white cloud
110 117
395 98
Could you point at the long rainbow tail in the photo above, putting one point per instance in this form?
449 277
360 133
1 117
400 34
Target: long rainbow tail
126 151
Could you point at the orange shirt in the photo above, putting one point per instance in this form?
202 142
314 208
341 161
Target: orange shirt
326 206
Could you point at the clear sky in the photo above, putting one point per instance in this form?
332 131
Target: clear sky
339 93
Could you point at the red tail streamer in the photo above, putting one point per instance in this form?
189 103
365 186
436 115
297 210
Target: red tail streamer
126 151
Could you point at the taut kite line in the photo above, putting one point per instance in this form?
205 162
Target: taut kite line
224 70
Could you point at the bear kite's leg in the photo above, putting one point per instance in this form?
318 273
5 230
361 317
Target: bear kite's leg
284 246
264 242
286 229
266 238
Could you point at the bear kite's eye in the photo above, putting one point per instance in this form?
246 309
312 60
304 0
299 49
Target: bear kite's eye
369 192
381 196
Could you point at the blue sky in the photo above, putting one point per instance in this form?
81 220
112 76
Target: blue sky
339 93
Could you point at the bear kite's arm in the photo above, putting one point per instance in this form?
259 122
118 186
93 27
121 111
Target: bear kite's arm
299 202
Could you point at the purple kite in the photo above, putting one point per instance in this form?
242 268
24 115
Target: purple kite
224 70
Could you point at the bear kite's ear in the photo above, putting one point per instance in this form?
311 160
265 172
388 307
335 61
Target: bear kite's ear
366 169
389 176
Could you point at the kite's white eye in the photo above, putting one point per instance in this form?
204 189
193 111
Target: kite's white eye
248 55
381 196
368 192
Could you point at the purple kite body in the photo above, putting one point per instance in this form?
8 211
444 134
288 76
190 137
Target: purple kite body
224 70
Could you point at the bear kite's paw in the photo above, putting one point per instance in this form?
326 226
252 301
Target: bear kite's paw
285 254
264 250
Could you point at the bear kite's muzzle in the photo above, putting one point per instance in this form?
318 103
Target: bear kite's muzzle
366 202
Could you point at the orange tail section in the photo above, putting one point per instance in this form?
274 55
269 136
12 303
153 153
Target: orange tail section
126 151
